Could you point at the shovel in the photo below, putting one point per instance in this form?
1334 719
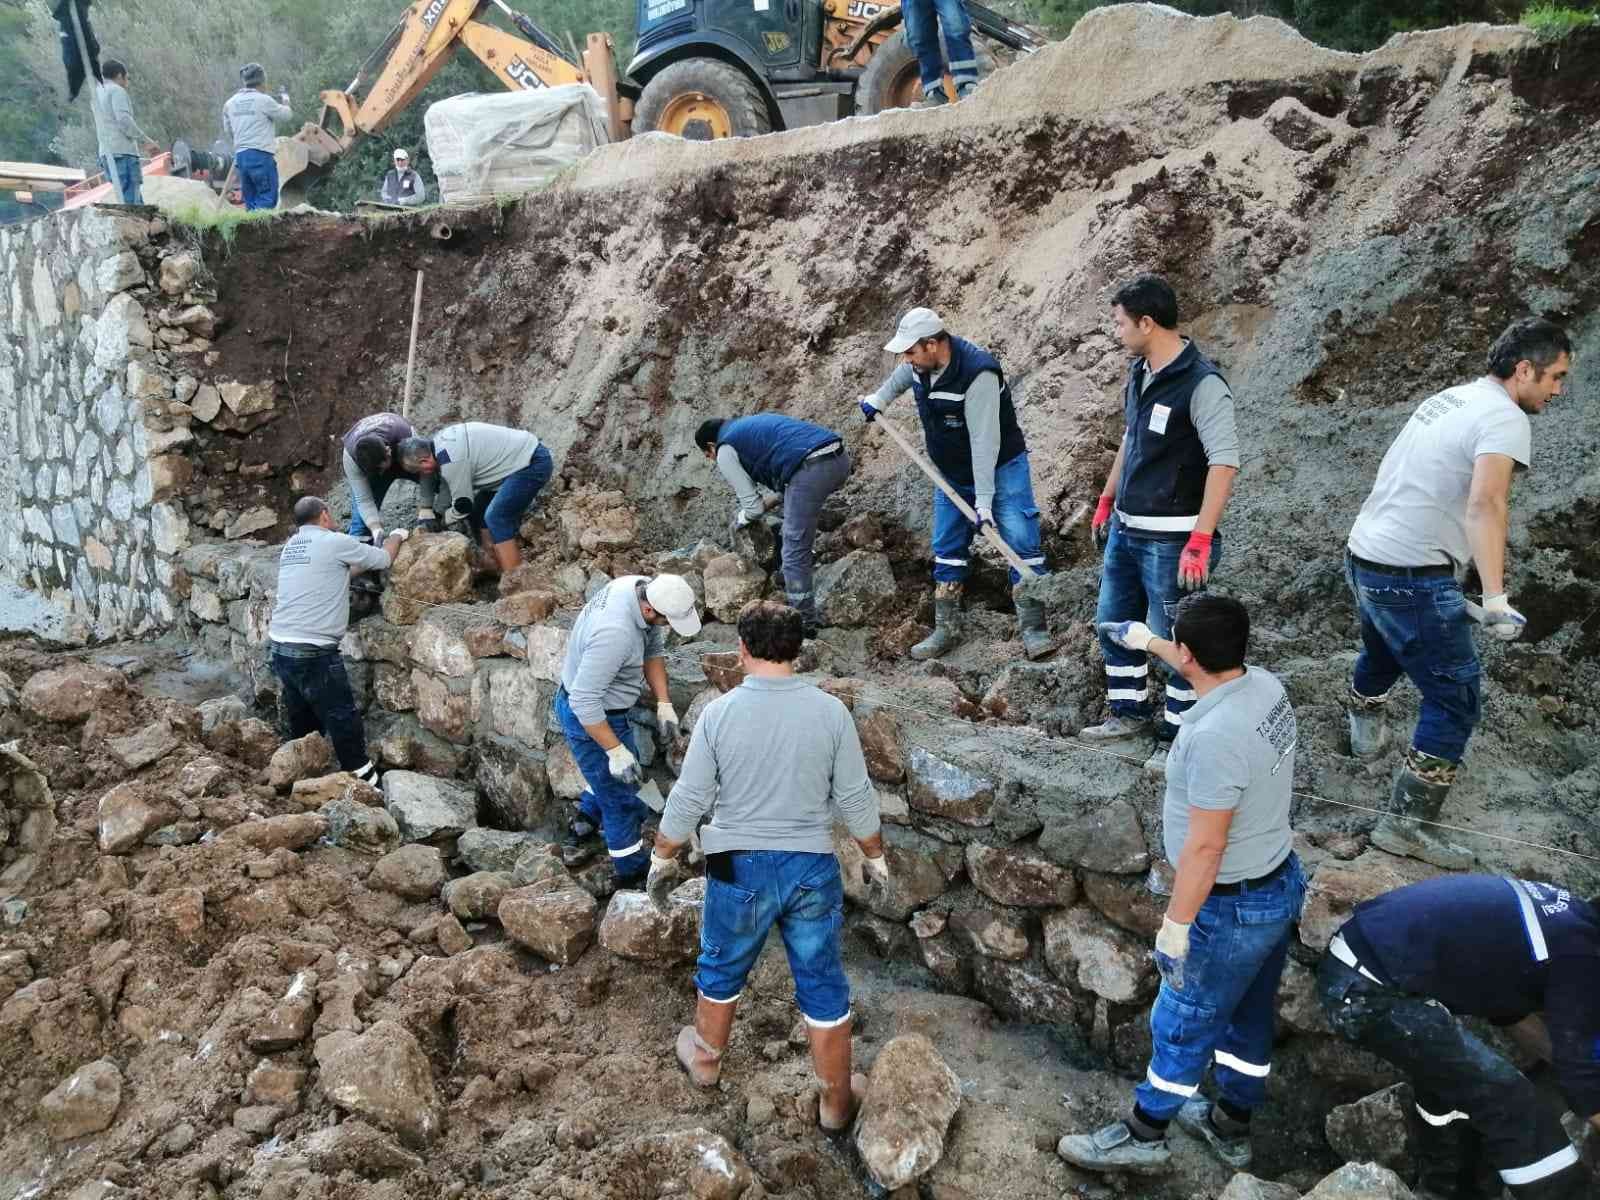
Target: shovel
965 509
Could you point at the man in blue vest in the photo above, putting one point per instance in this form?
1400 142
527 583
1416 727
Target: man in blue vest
970 427
1157 517
803 463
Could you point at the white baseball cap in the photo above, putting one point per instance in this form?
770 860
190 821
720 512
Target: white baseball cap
917 324
401 156
673 598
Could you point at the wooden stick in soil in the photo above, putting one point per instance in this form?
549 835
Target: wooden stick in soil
411 355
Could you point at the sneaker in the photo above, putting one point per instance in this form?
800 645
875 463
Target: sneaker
1115 728
965 90
581 842
1114 1148
933 99
1156 764
1194 1118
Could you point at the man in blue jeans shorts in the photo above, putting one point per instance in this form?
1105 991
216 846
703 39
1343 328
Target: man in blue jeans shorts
970 428
924 19
494 475
771 761
1238 891
1440 499
1158 515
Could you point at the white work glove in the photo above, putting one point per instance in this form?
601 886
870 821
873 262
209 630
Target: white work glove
1130 635
741 519
667 721
624 767
1505 622
875 874
665 874
1172 948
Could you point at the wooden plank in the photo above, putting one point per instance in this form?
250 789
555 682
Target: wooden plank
11 184
41 172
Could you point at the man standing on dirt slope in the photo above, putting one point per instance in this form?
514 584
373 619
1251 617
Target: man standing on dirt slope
803 463
247 119
371 467
617 645
1158 515
770 762
493 473
1239 888
970 428
1442 498
308 622
923 20
1407 965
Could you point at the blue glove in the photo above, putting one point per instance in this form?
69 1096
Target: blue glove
869 410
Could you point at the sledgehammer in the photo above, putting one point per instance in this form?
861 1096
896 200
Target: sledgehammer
965 509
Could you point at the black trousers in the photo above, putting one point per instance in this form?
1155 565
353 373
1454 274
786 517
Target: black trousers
1457 1078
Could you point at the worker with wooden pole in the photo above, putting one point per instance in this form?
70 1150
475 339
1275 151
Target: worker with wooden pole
979 466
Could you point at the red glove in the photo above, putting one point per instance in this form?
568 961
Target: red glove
1099 526
1194 564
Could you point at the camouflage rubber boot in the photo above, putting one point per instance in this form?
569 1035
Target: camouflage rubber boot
946 633
1369 731
1420 788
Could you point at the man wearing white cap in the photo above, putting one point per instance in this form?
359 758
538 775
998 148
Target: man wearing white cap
970 427
618 644
402 185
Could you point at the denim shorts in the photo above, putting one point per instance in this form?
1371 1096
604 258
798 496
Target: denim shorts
750 891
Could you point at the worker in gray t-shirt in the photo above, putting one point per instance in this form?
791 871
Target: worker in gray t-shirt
772 762
1225 935
309 618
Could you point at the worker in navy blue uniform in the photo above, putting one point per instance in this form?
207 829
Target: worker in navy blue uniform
1408 964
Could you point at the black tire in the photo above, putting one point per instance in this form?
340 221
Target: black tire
887 69
724 85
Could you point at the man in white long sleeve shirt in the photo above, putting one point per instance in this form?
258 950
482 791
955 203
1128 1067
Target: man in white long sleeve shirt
118 134
970 427
493 473
247 122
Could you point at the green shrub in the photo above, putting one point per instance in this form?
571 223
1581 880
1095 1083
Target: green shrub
1556 21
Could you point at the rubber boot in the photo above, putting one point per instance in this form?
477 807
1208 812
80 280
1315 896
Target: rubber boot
805 603
1420 787
841 1092
700 1045
582 841
1369 731
946 633
1036 639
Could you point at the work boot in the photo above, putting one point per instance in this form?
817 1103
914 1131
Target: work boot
1420 787
1369 732
1115 729
700 1045
581 842
1036 639
1198 1118
934 99
946 633
841 1092
805 603
1114 1148
965 90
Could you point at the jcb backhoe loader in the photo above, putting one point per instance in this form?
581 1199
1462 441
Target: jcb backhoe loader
703 68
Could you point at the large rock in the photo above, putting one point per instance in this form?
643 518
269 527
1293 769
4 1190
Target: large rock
289 831
72 692
155 741
355 1146
1337 887
1020 877
634 928
554 921
304 758
730 584
1361 1181
1299 1008
858 589
86 1102
1111 962
493 849
706 1163
598 521
360 827
911 1098
317 792
1110 839
915 878
414 872
383 1076
1017 991
879 732
996 934
1126 901
946 789
514 783
428 809
127 813
289 1020
477 896
1244 1186
435 568
1377 1128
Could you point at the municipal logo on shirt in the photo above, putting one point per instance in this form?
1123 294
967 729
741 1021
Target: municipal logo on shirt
1279 731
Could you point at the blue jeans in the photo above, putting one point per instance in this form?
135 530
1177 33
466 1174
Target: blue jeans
317 699
1224 1011
122 170
380 489
258 179
1418 627
1139 582
500 511
924 19
613 806
747 892
1015 514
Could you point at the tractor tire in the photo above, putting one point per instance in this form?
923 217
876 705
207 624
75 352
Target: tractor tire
893 80
702 99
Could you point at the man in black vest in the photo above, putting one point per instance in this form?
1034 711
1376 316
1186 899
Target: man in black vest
1157 517
970 427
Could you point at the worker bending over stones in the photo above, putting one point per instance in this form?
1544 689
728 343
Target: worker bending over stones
371 467
1237 895
771 762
